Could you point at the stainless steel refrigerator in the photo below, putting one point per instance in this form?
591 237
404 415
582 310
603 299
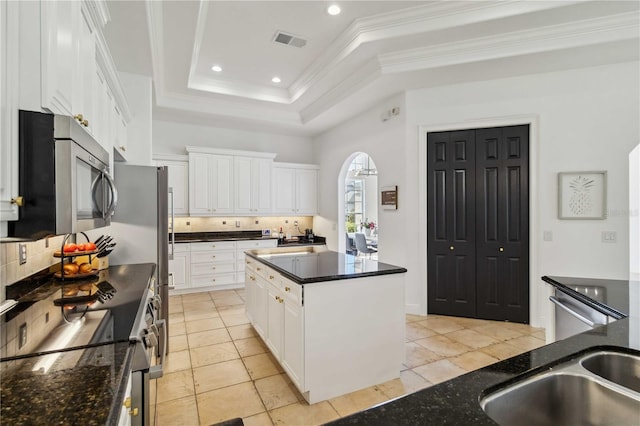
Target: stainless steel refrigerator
140 224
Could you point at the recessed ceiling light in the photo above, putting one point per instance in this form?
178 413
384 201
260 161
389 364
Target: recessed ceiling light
276 80
216 68
333 10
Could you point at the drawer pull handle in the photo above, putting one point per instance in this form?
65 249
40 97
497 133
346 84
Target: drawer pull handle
287 289
258 269
271 277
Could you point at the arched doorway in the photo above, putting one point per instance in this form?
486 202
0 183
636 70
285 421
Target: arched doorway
359 205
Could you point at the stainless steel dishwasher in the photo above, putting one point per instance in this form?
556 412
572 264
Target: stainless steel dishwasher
574 316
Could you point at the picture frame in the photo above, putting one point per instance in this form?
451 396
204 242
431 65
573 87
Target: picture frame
389 197
582 195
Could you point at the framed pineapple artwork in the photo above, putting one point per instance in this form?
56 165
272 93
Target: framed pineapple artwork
582 195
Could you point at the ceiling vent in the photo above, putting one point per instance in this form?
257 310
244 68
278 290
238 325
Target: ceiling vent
289 39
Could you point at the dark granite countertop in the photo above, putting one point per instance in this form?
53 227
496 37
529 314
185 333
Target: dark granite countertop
84 383
198 237
456 401
312 266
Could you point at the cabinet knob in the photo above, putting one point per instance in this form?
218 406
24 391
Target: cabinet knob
214 256
271 277
450 247
501 249
214 267
252 278
18 201
122 147
85 123
127 402
258 269
213 279
79 117
287 289
134 412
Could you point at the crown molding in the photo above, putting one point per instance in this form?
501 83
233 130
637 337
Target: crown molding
356 81
156 34
554 37
225 108
420 19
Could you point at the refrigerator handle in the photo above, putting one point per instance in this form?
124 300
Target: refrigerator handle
173 232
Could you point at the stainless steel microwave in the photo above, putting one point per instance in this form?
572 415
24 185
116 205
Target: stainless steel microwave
63 176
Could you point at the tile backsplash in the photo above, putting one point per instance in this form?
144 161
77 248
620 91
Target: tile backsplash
220 224
39 256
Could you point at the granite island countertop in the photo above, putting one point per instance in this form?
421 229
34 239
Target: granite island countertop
84 383
320 265
456 401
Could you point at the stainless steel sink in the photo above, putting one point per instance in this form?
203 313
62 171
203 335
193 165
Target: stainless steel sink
571 393
623 369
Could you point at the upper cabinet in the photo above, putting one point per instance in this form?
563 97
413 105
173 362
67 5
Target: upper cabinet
295 189
252 185
178 167
210 184
223 181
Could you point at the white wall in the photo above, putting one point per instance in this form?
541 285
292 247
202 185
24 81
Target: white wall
585 119
138 90
171 137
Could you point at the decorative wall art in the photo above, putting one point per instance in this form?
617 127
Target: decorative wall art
582 195
389 197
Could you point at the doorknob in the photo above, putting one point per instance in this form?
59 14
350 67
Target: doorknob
501 249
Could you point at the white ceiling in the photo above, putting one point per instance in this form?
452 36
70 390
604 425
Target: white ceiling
371 51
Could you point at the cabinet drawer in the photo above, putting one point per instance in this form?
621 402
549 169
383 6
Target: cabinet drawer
264 271
211 268
182 248
256 244
249 262
212 256
292 291
214 245
211 280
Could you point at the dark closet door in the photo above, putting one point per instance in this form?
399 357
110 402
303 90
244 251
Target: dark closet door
502 218
451 219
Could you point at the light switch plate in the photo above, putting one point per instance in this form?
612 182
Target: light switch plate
609 236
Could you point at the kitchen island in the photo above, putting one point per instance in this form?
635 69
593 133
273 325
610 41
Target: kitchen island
335 322
457 401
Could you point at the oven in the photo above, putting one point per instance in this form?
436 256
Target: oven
150 337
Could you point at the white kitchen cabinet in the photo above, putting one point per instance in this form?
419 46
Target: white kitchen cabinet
179 267
242 246
252 185
84 69
59 24
274 337
303 333
295 189
178 182
9 72
293 341
213 264
210 184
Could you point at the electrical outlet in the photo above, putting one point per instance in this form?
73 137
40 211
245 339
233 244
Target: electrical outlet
237 224
295 223
22 336
609 236
22 248
224 222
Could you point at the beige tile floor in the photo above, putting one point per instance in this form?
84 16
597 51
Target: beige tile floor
218 368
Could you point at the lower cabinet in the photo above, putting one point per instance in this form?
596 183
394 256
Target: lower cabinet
274 306
205 266
324 341
179 267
